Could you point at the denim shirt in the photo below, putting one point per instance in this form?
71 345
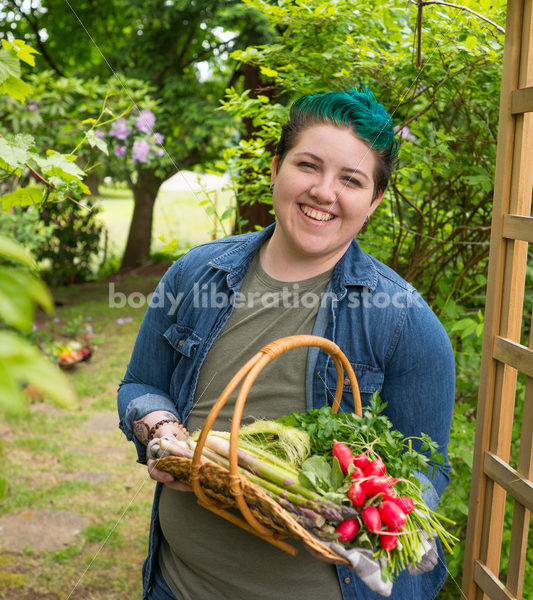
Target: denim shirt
391 337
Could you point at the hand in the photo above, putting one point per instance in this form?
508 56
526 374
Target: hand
166 478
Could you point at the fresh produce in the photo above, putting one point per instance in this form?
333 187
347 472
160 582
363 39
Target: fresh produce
350 481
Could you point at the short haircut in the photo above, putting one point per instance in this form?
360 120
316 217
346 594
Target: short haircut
356 109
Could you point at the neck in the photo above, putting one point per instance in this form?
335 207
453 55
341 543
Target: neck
283 265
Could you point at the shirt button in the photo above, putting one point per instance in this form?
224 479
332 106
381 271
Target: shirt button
180 343
346 381
347 580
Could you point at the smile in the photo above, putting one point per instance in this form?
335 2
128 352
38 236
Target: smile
317 215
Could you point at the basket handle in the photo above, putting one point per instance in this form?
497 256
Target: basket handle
249 372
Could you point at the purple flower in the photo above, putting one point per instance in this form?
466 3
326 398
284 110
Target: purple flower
404 133
160 152
124 321
99 133
32 106
420 88
145 121
89 329
119 150
140 151
119 130
158 139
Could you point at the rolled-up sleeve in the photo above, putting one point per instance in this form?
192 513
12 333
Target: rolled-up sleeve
146 385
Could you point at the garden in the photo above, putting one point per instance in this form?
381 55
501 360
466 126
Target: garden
117 159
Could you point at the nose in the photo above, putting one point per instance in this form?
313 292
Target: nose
323 191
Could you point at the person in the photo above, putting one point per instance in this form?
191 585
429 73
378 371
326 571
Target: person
223 301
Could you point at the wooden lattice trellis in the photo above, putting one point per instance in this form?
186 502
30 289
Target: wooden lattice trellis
503 356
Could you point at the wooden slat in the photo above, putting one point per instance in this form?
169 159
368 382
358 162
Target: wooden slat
519 487
522 101
521 515
513 354
490 584
518 227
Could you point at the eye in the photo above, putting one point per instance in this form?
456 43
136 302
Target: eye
307 165
351 182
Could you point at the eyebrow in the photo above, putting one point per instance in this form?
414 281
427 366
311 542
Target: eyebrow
348 170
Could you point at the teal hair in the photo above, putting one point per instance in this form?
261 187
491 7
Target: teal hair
357 109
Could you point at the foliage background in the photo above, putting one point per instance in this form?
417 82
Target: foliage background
439 78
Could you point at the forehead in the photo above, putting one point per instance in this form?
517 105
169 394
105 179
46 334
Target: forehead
336 145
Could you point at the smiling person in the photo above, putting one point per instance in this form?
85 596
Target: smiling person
223 301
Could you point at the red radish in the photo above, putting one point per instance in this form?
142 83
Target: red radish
357 473
356 494
389 494
405 503
375 467
377 485
388 542
392 515
360 460
371 519
347 529
343 454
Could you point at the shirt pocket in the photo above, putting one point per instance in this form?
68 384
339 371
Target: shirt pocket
183 340
369 378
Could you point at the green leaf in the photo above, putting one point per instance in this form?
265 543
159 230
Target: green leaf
24 364
25 196
14 149
9 64
19 292
15 251
96 142
471 42
268 72
59 165
24 52
15 87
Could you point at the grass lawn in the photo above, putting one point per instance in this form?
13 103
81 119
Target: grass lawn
79 461
184 216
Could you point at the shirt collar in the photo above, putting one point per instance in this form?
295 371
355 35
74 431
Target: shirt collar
355 268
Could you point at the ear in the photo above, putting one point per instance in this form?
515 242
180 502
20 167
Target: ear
273 172
375 203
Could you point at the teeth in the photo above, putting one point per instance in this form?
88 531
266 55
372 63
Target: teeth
318 215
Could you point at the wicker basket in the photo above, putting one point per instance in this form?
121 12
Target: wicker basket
221 490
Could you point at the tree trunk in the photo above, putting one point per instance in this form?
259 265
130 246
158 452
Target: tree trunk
140 236
256 213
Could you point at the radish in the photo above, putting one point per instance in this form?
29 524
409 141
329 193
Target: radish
357 473
389 494
348 529
371 519
343 454
405 503
392 515
377 485
356 495
375 467
360 460
388 542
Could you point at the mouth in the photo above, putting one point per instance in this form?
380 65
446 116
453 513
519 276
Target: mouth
316 215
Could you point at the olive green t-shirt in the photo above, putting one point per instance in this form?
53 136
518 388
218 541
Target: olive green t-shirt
203 556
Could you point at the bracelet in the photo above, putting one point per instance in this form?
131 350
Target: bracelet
163 422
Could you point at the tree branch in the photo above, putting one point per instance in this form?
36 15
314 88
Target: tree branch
460 7
35 27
